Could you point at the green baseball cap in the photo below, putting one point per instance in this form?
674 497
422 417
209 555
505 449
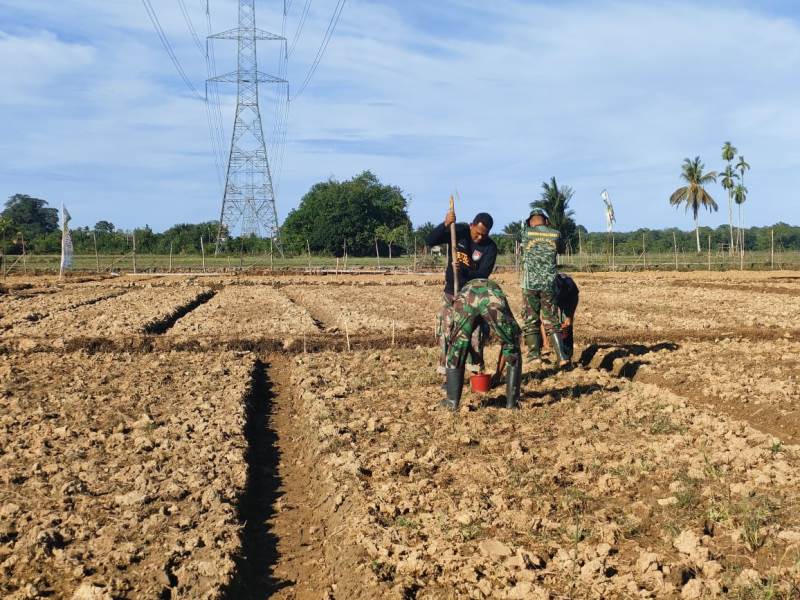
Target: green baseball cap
538 212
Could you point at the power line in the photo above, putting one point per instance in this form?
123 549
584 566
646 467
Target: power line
168 47
302 23
337 13
190 25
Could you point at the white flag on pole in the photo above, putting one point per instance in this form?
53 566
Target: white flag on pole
610 218
66 240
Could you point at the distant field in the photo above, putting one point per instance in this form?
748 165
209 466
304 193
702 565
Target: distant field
148 263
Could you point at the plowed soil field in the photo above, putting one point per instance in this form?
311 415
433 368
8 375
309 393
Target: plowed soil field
253 437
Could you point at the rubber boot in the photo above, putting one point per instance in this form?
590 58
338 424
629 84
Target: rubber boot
513 381
534 343
455 385
558 348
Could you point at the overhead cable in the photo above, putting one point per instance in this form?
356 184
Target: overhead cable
168 47
337 13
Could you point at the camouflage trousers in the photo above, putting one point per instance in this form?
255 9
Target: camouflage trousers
539 306
444 323
482 302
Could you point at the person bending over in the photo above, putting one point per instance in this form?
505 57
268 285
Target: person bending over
482 301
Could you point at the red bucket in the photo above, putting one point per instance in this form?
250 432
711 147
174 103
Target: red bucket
480 382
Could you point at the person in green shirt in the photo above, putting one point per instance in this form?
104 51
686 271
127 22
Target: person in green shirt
539 252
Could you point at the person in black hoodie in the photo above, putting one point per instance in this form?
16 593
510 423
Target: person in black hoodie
476 257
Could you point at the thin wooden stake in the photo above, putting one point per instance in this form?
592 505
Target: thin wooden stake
308 248
709 252
377 254
644 252
271 257
96 255
170 257
347 334
203 251
772 249
134 252
675 247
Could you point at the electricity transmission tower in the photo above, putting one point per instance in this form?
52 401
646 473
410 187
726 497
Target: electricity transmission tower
248 203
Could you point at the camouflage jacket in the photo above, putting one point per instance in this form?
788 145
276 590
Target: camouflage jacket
539 249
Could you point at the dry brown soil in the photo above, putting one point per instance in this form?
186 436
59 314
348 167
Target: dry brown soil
253 436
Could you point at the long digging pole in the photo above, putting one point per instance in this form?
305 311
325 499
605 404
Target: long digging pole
454 248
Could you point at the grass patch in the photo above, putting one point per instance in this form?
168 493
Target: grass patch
663 425
753 516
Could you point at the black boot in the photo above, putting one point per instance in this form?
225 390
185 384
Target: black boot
558 348
534 343
513 380
455 384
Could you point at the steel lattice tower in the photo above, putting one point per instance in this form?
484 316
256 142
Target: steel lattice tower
249 200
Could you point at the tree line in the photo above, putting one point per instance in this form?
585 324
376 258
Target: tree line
362 216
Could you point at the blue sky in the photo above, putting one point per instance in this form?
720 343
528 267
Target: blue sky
490 98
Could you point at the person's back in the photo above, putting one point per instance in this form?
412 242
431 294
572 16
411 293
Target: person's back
539 270
539 251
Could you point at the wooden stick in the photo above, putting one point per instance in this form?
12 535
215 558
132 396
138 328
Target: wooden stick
347 334
96 255
454 249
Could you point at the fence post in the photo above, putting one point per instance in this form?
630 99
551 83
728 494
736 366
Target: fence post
709 252
134 252
377 254
308 248
675 248
741 255
96 255
271 258
170 257
644 253
772 249
203 252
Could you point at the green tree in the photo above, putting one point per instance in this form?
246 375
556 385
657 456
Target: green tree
728 154
694 195
392 235
555 200
333 212
742 166
30 216
740 197
728 182
104 227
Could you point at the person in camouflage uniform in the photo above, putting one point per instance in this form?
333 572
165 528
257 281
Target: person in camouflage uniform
482 301
539 251
444 324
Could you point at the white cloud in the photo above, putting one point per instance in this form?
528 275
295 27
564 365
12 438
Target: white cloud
490 97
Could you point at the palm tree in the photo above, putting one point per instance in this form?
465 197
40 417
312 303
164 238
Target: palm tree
740 196
694 195
742 166
555 200
728 182
728 154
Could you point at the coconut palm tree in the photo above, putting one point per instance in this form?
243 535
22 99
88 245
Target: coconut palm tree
728 154
742 166
740 196
728 182
694 195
